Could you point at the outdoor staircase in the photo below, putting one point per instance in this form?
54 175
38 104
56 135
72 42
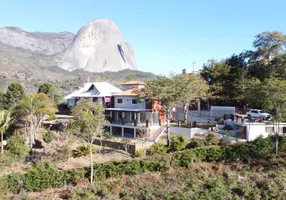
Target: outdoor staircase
156 133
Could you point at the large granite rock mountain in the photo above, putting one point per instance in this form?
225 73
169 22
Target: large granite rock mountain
39 42
99 46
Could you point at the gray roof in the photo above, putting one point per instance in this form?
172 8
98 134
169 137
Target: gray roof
94 89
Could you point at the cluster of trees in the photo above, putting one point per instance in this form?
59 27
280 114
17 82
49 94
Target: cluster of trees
251 79
173 91
28 112
21 110
254 79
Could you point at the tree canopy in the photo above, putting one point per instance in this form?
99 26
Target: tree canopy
14 94
172 91
51 91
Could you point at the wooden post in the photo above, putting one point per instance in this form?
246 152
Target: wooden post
195 124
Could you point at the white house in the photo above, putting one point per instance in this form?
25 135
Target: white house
127 116
251 130
129 110
100 92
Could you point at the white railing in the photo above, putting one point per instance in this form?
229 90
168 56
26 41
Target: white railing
156 136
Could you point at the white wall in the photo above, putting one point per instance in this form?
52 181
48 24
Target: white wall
127 103
187 132
255 130
219 111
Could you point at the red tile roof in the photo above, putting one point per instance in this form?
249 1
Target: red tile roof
126 93
133 83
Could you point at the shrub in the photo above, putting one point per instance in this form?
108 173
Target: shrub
15 182
17 148
82 151
48 137
260 148
4 189
140 153
118 168
73 176
184 158
238 151
5 160
178 143
208 154
157 149
211 139
43 176
196 142
215 189
224 142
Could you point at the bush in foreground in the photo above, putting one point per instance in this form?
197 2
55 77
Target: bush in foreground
178 143
17 148
157 149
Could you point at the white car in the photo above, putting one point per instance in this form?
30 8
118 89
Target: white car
258 114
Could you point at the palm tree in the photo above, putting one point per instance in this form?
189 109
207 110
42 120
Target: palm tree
4 123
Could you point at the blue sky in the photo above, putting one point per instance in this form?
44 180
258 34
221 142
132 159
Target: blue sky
167 35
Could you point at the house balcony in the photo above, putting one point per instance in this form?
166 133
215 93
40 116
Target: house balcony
133 117
132 123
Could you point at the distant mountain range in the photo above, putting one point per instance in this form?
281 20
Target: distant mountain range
35 57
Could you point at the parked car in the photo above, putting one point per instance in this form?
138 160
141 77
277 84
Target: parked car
258 114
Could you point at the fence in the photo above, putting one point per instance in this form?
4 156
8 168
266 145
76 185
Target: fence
130 148
198 116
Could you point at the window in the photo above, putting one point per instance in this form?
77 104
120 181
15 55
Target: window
254 111
119 101
134 101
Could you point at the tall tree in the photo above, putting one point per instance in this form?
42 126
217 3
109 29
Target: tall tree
36 108
4 123
89 123
269 44
274 97
51 91
195 88
170 92
217 75
14 94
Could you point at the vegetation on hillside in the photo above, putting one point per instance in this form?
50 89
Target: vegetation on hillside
200 168
220 172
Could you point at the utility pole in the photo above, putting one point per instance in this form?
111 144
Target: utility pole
194 66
